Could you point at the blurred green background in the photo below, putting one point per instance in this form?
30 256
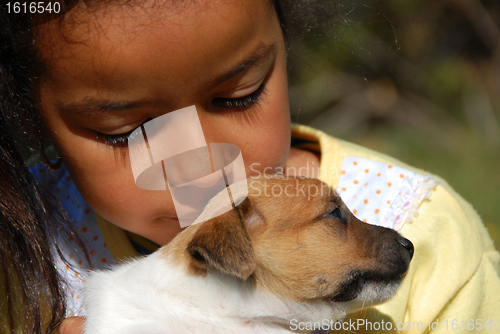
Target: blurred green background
418 80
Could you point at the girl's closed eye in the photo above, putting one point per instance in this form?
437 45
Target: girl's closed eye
240 104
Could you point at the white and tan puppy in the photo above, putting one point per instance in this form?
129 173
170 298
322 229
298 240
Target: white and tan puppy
299 254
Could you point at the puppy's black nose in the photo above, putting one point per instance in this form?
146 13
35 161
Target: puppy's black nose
406 244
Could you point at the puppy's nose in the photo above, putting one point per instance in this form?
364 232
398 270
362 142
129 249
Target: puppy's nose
406 244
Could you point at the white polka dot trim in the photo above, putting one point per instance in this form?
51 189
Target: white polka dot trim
60 184
383 194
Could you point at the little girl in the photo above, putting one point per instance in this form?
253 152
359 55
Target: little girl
106 67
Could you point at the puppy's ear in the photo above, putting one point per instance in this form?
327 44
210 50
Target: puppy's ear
223 243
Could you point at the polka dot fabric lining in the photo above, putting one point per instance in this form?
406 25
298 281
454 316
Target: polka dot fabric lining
382 194
59 183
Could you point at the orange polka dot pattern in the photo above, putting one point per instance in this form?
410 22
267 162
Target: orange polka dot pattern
382 194
60 184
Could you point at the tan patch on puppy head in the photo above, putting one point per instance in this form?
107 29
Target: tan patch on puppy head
223 244
301 253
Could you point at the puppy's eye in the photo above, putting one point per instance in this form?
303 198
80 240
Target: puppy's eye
336 213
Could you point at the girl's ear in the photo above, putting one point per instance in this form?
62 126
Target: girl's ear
223 244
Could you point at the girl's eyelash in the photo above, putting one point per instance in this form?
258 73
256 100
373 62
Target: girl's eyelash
117 141
240 103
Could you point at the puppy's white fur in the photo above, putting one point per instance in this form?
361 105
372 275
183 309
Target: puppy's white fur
136 299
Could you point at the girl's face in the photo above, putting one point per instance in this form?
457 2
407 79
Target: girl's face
109 71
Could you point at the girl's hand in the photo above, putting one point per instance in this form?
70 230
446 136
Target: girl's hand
72 325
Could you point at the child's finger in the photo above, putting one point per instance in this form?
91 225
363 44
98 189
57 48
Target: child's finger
73 325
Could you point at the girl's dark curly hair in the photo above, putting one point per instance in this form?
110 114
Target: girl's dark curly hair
24 248
33 300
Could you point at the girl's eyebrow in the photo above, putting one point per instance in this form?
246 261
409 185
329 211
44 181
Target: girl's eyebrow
90 106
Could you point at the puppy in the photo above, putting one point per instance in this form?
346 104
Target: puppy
290 250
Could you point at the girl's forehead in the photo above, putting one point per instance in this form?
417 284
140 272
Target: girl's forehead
175 29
